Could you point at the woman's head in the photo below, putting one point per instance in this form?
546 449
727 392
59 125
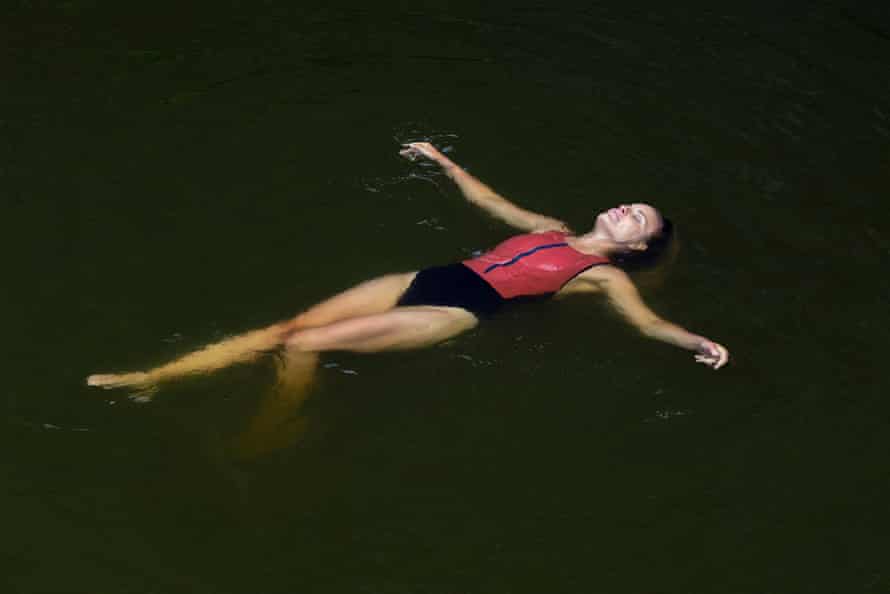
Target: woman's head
640 233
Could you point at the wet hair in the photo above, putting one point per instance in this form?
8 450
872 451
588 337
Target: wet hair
657 246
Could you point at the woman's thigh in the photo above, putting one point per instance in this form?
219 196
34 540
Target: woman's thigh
370 297
400 328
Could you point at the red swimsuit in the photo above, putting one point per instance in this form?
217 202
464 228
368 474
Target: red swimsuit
536 264
532 264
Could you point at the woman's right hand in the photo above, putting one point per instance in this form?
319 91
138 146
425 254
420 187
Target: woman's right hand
712 354
414 150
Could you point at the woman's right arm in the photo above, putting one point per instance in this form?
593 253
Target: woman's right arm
626 300
481 195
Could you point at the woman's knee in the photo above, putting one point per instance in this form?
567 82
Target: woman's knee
304 340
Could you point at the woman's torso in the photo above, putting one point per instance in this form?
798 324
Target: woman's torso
532 264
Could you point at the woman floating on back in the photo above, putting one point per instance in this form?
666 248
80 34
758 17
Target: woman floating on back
417 309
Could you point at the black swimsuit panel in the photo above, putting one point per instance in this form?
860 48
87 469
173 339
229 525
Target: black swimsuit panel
453 285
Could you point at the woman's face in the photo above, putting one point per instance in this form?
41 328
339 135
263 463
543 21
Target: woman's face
629 223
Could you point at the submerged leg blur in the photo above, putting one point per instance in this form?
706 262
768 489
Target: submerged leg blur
278 423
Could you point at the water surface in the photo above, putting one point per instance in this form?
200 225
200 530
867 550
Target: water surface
174 175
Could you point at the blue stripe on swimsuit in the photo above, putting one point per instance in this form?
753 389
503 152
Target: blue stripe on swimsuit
522 255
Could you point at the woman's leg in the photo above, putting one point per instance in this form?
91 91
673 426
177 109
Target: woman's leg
368 298
278 423
398 329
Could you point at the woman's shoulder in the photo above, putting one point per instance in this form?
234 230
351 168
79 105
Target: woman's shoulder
595 279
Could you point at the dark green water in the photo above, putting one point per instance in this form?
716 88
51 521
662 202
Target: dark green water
174 174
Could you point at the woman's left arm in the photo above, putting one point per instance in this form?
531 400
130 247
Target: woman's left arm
481 195
623 295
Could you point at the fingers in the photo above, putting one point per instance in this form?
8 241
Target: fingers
720 354
723 359
409 154
716 356
414 150
708 360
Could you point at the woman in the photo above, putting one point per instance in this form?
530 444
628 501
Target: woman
417 309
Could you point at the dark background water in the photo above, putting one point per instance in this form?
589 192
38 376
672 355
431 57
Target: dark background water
174 173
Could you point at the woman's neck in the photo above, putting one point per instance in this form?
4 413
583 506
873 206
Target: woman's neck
593 244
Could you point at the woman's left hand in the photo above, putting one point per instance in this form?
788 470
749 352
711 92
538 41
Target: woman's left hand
414 150
712 354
